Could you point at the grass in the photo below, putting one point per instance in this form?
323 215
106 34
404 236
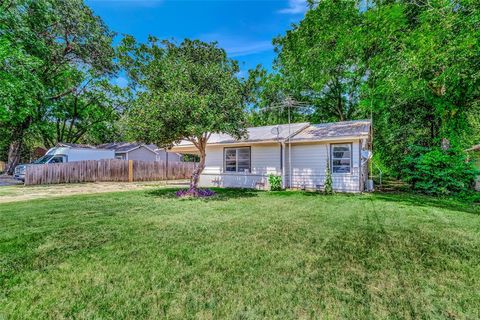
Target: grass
242 255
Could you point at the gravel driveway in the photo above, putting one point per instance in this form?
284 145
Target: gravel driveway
8 181
21 193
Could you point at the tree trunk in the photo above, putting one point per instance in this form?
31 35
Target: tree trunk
13 155
197 172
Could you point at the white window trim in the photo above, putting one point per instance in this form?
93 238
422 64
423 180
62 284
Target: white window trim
351 158
236 161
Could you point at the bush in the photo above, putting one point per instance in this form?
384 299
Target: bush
328 180
438 172
275 182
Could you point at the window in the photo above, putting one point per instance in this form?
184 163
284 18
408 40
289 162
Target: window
237 159
341 158
43 159
57 160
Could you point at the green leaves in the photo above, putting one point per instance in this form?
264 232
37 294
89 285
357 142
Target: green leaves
184 91
53 54
424 82
412 66
320 60
438 172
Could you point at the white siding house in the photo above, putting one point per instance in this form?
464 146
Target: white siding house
299 153
265 159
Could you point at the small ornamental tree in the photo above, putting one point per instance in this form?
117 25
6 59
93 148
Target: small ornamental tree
328 180
184 91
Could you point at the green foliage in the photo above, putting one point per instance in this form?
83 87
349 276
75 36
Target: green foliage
320 64
328 188
54 53
185 91
275 182
88 115
438 172
190 158
423 82
320 60
412 67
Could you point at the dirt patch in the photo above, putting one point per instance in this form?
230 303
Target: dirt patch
22 193
8 181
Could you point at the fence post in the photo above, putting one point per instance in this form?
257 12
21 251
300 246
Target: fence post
130 170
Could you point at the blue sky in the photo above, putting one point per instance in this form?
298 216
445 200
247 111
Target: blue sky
245 29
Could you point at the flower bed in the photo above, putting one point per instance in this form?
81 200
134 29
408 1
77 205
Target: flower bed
198 193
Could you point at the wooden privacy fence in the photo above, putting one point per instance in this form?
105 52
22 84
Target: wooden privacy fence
107 170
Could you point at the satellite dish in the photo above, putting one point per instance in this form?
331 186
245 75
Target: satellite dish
276 131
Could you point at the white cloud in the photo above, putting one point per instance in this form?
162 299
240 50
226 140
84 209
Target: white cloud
244 49
295 7
237 46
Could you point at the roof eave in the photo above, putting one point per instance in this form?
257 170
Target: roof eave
326 139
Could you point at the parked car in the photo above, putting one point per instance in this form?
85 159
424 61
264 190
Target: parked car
64 153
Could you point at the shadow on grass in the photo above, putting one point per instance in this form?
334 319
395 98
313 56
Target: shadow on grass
221 194
417 200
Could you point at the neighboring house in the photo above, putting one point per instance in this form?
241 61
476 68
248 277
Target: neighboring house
299 153
475 156
142 152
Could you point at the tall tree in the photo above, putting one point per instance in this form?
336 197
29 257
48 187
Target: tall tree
19 91
59 35
424 82
320 60
88 114
412 65
185 91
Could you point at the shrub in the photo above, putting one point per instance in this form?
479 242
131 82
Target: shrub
275 182
328 180
438 172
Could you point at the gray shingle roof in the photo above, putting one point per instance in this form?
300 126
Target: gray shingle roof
327 131
121 147
257 134
298 132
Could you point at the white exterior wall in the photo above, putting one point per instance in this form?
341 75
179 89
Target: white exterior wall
309 165
265 160
309 161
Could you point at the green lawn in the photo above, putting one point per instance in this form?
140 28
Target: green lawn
243 255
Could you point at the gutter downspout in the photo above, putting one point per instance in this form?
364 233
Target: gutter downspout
284 182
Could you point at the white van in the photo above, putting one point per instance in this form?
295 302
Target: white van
66 153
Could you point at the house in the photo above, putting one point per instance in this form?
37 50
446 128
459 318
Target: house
299 152
142 152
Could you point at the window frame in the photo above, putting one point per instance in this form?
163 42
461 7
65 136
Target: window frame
332 145
63 157
236 160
